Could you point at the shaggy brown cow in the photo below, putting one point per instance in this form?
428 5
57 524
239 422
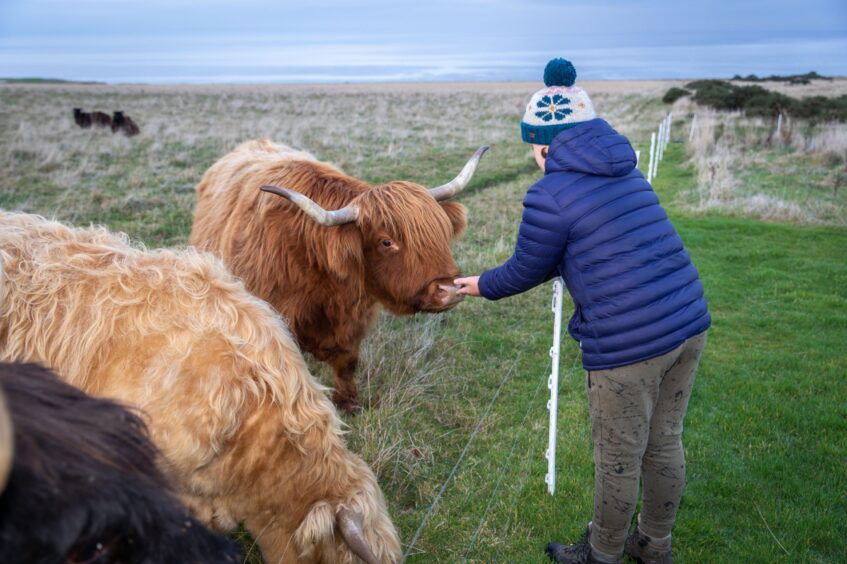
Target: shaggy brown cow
82 119
100 119
124 124
326 271
249 433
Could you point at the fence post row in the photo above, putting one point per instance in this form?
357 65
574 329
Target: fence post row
658 142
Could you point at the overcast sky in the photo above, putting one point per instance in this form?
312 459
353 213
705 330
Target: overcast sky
378 40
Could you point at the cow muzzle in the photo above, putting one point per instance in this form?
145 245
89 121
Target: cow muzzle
441 295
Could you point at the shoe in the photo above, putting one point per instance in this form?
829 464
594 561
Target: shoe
644 550
579 553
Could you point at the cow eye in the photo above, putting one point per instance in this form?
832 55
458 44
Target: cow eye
386 242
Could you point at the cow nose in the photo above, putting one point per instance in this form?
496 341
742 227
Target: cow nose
448 294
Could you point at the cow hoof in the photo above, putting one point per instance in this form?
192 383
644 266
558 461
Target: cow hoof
348 406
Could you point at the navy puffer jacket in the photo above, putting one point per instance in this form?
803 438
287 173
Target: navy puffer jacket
595 221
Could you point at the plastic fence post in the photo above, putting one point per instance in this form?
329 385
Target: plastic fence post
553 385
650 168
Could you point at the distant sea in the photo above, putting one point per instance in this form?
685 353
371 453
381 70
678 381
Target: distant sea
229 60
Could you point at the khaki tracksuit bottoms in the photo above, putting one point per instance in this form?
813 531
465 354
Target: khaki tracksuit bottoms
636 427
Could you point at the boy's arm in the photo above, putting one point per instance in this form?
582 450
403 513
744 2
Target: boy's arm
539 249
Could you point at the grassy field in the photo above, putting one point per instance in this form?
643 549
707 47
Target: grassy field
766 434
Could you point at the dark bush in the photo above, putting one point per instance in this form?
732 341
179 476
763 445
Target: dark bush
674 94
790 78
758 101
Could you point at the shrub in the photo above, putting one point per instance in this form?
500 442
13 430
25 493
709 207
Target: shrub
674 94
790 79
760 102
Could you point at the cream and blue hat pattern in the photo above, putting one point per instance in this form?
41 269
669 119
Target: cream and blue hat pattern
558 106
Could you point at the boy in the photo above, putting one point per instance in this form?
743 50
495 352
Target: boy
639 313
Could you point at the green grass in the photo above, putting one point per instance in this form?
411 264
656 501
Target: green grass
766 433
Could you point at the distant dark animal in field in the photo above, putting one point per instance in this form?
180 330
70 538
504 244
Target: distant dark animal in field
249 434
124 124
332 247
100 119
84 485
82 119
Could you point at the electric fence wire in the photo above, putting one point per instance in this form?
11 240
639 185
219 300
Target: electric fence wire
522 482
435 501
503 470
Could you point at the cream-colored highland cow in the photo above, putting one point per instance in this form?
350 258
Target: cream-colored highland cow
247 432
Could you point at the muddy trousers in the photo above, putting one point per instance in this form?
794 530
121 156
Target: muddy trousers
636 427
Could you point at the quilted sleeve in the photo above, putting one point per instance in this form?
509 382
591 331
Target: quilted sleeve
539 249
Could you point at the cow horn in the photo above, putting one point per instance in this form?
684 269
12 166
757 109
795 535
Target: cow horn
324 217
6 443
458 184
350 524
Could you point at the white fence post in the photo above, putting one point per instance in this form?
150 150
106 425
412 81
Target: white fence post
661 140
778 125
670 125
553 384
650 173
693 126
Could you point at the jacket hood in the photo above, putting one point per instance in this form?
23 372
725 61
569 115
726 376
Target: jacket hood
593 147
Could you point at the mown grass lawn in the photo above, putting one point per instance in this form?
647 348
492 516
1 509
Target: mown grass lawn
766 434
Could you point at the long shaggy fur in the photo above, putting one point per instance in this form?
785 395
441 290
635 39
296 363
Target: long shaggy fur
250 434
327 281
85 486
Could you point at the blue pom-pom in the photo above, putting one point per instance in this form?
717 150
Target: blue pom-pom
559 72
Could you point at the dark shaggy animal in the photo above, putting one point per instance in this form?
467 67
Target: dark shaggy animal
82 119
100 119
84 485
326 249
124 124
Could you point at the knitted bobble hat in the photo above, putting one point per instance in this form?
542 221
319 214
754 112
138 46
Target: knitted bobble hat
558 106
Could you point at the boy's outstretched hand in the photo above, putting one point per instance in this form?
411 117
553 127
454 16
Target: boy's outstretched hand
469 286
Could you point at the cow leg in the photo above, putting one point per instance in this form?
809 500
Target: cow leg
346 391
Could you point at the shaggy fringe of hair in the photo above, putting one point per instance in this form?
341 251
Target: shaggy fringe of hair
101 311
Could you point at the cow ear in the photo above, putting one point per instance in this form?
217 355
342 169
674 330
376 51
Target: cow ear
458 217
345 254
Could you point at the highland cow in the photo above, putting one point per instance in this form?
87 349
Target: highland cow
327 271
250 435
100 119
124 124
84 485
82 119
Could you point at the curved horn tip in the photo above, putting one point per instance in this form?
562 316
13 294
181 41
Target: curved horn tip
350 524
273 189
481 151
347 214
